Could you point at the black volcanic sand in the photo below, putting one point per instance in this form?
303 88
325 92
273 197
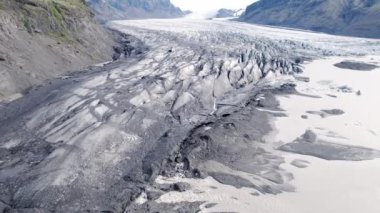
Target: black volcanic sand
354 65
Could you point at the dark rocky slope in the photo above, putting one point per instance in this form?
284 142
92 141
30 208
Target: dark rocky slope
134 9
226 13
342 17
43 39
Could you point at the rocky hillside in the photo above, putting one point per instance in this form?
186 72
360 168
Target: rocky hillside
134 9
226 13
41 39
342 17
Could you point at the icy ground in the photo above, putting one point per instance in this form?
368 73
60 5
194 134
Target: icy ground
194 101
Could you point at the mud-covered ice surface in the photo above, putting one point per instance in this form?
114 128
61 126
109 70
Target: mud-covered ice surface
354 65
331 151
190 99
